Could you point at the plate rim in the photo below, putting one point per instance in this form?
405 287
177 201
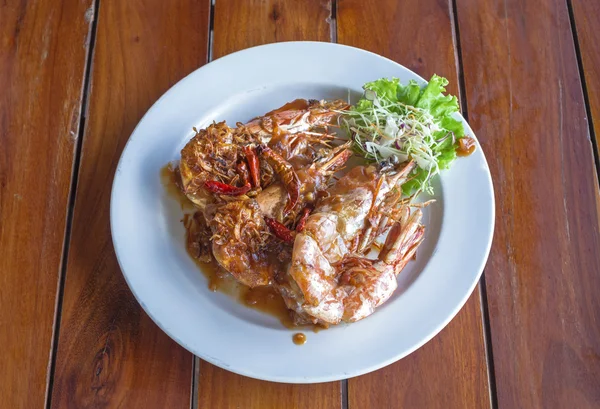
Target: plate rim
295 379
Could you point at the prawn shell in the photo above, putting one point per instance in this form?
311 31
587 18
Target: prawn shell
315 279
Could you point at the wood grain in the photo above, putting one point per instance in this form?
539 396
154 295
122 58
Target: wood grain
526 105
222 389
450 371
447 372
239 24
587 22
259 22
43 51
110 354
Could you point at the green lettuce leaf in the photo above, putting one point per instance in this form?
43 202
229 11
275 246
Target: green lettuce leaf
409 94
430 98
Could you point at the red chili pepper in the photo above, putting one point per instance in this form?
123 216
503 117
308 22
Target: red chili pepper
225 189
279 230
253 164
242 170
303 217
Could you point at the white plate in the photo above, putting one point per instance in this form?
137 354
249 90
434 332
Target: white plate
149 237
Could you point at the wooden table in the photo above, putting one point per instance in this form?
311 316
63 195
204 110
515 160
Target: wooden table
77 75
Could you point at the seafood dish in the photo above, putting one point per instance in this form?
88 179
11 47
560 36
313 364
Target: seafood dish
275 204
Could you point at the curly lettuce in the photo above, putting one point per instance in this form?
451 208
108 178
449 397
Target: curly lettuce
398 122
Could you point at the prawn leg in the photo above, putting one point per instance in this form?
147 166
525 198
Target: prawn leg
403 239
335 160
378 223
287 173
370 283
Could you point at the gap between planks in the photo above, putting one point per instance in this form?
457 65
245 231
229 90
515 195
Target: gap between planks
483 301
344 393
211 29
195 382
584 89
86 85
196 360
333 21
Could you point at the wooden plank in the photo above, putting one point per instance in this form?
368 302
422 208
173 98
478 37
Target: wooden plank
587 23
525 103
43 53
447 372
110 354
268 21
450 370
259 22
219 388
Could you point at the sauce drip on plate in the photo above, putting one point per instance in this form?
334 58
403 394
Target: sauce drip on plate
299 338
466 146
